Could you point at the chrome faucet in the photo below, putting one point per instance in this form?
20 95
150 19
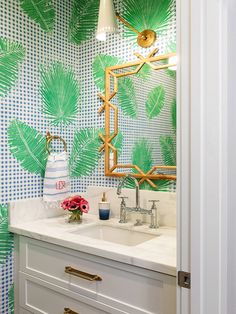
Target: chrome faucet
120 185
124 209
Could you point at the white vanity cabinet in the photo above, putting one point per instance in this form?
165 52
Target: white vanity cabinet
52 278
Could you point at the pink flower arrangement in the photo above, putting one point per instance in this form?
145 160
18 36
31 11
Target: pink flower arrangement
76 204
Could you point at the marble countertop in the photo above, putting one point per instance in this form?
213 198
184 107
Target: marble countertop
158 254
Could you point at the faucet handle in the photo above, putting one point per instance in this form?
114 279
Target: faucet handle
123 199
154 203
154 215
138 222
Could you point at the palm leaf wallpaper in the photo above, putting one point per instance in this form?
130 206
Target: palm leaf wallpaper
60 93
126 97
28 146
145 72
142 155
84 155
100 63
171 47
6 238
11 56
155 101
83 20
117 142
161 185
148 14
41 12
173 114
48 98
11 299
168 150
171 73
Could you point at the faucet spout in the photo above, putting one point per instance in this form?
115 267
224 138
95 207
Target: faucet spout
120 185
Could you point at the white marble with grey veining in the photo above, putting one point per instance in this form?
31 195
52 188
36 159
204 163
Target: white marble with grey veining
166 205
34 219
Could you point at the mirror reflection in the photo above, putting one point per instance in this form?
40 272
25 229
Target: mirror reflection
141 109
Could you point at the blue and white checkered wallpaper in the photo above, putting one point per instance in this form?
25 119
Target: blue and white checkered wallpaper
23 101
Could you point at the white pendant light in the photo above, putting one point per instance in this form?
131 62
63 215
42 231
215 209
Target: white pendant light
106 19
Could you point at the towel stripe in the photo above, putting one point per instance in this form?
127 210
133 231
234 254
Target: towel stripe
60 177
49 194
56 169
56 181
57 160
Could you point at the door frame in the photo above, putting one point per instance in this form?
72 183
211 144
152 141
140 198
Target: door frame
183 149
202 154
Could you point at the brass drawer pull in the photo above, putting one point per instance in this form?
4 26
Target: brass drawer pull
69 311
81 274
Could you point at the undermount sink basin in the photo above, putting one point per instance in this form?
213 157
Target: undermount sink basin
115 235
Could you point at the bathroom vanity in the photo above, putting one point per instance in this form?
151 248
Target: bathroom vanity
94 267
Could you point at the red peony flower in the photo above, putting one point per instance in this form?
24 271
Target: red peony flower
75 203
66 204
84 206
76 199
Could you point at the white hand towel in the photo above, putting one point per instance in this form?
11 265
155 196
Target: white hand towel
56 181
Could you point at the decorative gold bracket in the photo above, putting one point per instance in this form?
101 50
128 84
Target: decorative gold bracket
108 106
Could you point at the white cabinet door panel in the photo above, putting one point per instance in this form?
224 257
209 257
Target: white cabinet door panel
132 289
40 297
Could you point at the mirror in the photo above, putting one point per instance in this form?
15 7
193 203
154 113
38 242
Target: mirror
140 107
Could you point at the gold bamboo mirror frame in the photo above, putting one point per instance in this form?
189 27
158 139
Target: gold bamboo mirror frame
111 110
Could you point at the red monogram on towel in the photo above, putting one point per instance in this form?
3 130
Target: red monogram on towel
60 185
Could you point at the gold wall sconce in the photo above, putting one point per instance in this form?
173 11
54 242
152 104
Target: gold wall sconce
107 24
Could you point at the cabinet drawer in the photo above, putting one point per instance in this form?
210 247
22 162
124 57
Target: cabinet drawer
40 297
129 288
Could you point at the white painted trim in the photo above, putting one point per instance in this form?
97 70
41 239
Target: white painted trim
231 159
183 150
223 149
208 156
202 154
